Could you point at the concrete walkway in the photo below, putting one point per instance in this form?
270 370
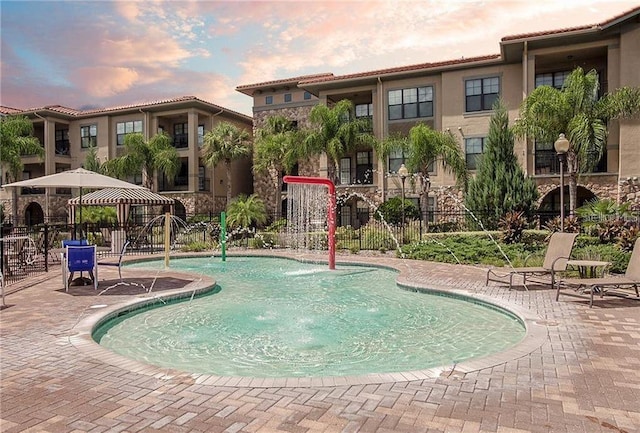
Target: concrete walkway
580 374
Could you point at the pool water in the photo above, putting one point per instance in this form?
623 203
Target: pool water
275 317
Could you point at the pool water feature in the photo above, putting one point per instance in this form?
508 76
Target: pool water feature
274 317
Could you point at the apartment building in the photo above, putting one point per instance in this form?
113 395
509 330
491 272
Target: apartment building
457 96
67 134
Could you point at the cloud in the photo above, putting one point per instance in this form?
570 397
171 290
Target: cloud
104 81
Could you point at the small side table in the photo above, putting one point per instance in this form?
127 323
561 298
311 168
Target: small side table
590 268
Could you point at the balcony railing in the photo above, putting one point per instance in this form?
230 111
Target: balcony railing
180 141
180 183
204 184
32 191
62 147
547 162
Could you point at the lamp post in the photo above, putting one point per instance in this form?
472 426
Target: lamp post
562 147
403 173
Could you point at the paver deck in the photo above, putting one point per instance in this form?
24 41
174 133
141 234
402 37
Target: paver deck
583 375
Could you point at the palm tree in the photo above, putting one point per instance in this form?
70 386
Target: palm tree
245 211
16 140
275 151
424 147
336 132
575 111
226 143
149 158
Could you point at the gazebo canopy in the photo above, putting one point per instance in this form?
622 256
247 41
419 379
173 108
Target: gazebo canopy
122 199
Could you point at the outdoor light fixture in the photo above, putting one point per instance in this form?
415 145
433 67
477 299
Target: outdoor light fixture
562 146
403 173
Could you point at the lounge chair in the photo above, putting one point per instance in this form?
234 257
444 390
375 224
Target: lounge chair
555 260
631 278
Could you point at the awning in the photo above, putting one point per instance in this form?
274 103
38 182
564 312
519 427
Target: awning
122 199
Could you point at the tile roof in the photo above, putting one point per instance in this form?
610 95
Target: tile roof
285 80
408 68
599 26
9 110
73 112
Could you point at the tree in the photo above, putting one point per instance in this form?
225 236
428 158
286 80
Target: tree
149 158
16 140
226 143
275 151
576 111
424 147
335 132
245 211
500 185
92 162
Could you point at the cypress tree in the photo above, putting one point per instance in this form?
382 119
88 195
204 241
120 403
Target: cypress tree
500 185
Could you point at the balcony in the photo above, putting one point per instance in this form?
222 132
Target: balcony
32 191
62 147
180 141
547 162
204 184
180 183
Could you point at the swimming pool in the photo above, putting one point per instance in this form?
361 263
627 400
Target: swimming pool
274 317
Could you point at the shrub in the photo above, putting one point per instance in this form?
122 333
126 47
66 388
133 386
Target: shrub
512 226
195 247
391 210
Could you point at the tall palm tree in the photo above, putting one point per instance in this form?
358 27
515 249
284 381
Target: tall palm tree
576 111
16 140
424 147
226 143
275 151
336 132
149 158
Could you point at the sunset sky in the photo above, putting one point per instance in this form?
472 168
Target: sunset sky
94 54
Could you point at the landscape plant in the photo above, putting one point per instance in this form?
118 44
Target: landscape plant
577 111
500 188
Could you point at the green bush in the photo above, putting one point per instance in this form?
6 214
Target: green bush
391 210
196 247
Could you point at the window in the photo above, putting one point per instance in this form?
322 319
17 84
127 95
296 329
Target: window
88 136
268 100
200 135
62 142
124 128
396 159
287 97
411 103
180 135
553 79
481 93
473 149
307 96
364 167
345 171
364 110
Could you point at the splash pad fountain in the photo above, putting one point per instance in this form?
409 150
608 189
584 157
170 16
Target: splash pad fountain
302 211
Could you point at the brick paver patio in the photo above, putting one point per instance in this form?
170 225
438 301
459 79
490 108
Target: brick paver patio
581 375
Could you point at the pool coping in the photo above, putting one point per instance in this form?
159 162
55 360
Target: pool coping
536 334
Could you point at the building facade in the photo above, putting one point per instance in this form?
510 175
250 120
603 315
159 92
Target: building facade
67 135
457 96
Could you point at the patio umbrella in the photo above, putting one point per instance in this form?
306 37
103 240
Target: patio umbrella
78 178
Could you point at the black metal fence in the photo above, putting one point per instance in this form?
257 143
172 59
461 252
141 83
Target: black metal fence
28 251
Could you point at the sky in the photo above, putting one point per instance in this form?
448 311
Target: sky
99 54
